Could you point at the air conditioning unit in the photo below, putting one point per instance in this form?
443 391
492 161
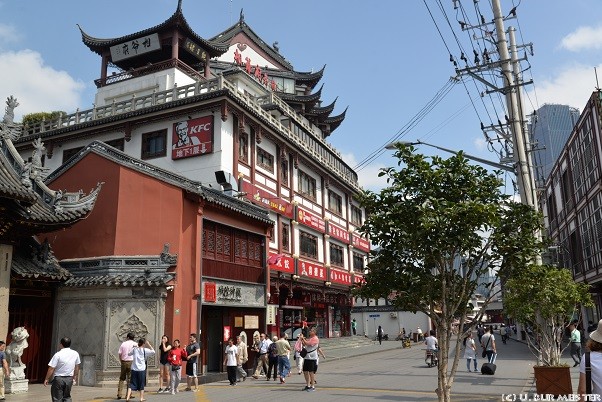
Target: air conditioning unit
393 314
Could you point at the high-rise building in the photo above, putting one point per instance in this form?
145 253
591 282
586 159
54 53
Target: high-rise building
550 127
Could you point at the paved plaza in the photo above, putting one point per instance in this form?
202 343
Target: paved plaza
368 371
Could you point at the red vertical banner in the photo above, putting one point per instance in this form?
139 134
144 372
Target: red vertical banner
210 294
227 333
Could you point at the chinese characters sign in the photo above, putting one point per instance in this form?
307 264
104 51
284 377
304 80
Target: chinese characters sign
262 77
227 333
338 232
312 270
195 50
283 263
263 198
192 137
135 47
358 279
210 292
340 277
360 243
229 293
309 219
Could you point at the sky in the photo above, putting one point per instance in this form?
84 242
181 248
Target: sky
388 61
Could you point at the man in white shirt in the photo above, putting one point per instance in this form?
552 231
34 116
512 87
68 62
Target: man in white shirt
264 343
64 367
431 345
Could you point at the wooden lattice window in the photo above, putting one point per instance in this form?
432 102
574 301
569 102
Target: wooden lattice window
286 241
358 262
243 147
335 202
308 244
224 243
265 159
154 144
336 255
356 215
307 185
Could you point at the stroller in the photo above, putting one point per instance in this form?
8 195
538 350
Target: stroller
432 357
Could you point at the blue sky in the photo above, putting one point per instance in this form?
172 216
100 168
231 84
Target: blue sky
384 59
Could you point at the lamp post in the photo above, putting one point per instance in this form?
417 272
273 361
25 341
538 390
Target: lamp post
496 165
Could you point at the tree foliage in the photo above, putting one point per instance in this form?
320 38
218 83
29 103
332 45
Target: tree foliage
439 226
35 118
547 298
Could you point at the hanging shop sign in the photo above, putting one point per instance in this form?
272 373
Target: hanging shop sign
195 50
358 279
192 137
312 270
135 47
360 243
227 333
341 277
311 220
263 198
282 263
338 233
209 292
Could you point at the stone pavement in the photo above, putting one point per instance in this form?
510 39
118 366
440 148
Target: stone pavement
335 349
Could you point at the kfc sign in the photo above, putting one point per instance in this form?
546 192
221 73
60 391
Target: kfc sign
338 233
192 138
341 277
280 262
312 270
309 219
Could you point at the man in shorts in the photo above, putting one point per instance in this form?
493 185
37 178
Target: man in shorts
193 350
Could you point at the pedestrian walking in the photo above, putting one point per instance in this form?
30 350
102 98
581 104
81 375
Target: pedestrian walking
231 361
480 332
575 344
354 326
63 370
175 357
193 350
4 369
379 335
264 343
272 359
126 363
283 350
594 357
164 365
488 344
298 358
140 353
470 351
310 364
243 357
503 333
420 334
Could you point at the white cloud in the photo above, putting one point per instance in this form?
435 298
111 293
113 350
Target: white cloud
571 86
480 143
37 87
8 34
368 176
583 38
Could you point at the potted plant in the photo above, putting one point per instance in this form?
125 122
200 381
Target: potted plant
546 298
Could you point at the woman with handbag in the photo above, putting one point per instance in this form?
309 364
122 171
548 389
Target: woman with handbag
138 375
310 356
175 356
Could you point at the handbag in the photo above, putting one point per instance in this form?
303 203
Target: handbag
303 352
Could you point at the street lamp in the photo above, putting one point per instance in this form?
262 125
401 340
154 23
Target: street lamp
496 165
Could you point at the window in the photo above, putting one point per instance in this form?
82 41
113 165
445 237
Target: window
154 144
243 147
286 237
284 171
224 243
308 245
117 144
335 202
265 159
356 215
307 185
336 255
68 153
358 262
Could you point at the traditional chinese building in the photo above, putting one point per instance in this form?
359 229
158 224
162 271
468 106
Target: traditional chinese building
30 274
232 113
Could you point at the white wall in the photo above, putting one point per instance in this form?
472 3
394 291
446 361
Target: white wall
367 325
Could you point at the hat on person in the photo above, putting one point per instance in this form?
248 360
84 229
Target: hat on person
597 334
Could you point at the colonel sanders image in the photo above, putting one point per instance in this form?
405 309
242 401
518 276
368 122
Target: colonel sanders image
183 138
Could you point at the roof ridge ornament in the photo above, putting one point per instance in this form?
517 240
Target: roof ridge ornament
9 129
241 20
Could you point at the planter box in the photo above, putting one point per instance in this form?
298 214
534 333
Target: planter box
553 380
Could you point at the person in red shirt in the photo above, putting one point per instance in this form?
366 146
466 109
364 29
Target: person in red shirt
175 356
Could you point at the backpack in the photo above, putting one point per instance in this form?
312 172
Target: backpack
272 350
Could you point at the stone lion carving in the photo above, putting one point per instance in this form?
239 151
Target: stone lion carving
15 349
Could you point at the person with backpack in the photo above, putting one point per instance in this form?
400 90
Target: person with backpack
272 359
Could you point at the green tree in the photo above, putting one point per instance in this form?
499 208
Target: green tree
35 118
439 226
547 298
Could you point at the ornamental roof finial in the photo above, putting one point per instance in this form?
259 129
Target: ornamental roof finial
242 17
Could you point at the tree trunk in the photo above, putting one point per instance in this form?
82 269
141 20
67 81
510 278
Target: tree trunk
443 381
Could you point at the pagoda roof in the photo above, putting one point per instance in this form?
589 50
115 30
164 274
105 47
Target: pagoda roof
35 261
334 122
242 27
309 100
27 205
321 112
309 79
176 22
210 195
